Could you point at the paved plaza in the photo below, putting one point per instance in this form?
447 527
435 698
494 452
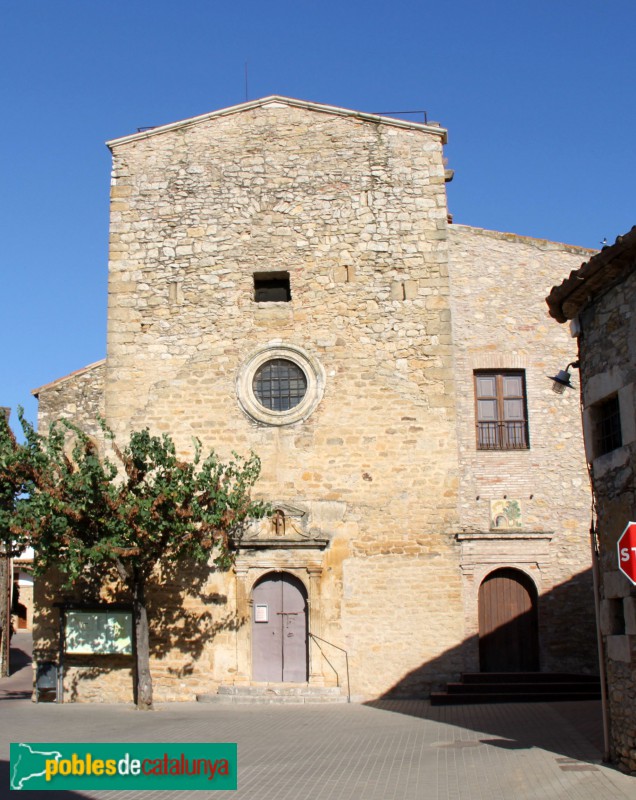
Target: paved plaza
388 750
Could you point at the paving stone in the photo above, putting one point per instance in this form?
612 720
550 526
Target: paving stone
388 750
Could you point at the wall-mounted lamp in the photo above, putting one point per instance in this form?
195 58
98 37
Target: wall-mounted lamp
561 380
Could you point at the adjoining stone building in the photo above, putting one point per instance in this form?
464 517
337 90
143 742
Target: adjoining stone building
283 278
600 299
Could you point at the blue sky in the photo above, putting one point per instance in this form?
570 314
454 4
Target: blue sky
537 98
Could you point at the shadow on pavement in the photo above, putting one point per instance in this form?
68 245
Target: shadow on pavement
19 684
15 694
571 729
20 654
36 794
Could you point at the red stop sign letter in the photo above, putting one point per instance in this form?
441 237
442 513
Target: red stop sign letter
627 552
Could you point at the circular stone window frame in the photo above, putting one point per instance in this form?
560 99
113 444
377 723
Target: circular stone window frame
312 369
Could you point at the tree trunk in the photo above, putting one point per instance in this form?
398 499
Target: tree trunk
143 679
5 617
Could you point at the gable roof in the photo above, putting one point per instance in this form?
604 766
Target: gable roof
274 101
64 378
606 268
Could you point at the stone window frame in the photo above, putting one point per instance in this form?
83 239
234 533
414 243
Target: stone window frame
310 365
597 390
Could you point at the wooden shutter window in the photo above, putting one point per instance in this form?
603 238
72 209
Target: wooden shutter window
500 409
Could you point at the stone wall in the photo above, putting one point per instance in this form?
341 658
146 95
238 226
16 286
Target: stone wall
78 397
378 478
608 368
356 213
500 321
190 626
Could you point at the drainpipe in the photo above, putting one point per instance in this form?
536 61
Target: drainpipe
599 643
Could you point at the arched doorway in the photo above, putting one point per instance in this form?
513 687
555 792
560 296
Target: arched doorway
279 629
508 631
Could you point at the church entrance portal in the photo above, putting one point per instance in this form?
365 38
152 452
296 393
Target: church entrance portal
279 629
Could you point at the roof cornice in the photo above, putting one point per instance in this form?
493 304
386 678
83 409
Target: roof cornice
545 244
274 100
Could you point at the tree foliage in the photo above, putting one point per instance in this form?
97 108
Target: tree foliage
86 509
85 512
14 484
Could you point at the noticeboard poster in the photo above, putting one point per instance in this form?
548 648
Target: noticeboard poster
98 632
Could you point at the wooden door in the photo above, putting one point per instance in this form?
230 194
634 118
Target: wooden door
508 633
22 616
279 629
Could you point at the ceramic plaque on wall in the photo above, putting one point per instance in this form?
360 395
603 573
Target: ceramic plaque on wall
505 514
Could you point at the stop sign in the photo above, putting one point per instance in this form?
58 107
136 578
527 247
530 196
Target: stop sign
627 552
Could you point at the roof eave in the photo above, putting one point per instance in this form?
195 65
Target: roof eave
568 299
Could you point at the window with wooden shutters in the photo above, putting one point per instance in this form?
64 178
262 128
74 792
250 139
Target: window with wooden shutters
500 399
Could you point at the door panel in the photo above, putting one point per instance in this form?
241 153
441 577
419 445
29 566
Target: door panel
279 644
294 633
266 636
508 632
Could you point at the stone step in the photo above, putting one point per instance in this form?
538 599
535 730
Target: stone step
268 693
279 689
526 677
523 688
445 699
518 687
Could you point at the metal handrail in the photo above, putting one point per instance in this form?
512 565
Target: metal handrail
342 650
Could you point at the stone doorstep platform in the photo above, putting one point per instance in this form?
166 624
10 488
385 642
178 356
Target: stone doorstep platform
518 687
267 693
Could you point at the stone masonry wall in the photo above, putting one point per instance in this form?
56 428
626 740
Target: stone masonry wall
356 213
385 467
78 397
500 321
608 367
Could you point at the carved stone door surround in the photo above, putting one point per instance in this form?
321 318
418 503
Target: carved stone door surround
247 574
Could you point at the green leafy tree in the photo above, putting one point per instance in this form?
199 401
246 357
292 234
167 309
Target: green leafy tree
14 483
87 513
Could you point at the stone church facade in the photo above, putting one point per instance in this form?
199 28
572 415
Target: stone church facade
284 278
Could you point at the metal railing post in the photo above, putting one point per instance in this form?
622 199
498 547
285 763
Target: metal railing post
342 650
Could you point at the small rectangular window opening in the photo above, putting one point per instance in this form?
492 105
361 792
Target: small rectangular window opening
615 617
607 422
272 287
